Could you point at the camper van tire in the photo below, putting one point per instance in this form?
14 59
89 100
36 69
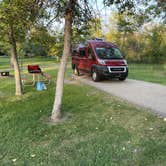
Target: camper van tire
95 75
122 78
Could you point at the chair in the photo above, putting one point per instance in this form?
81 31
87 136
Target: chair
36 70
46 78
27 82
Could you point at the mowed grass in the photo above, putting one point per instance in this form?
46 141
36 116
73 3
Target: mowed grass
155 73
100 129
4 62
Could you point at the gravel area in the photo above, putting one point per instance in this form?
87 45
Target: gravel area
144 94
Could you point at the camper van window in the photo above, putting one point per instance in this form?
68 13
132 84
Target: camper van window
90 54
82 53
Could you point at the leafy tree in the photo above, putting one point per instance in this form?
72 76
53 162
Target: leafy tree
95 29
39 42
69 8
57 49
15 19
92 29
4 48
157 10
155 45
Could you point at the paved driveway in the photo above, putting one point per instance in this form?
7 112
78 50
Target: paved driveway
144 94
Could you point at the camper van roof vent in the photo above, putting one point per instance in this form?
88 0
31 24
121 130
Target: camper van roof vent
98 39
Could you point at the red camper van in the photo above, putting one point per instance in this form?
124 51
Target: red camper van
100 59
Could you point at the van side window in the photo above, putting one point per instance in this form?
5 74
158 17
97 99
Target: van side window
82 53
90 54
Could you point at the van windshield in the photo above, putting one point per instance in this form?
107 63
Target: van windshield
108 53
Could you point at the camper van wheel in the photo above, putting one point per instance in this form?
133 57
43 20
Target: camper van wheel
95 75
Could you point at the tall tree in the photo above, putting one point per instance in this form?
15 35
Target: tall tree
75 13
56 112
15 18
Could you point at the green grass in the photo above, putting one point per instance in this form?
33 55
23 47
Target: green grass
147 72
42 61
4 62
100 129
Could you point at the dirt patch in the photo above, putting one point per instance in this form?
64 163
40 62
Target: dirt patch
48 121
72 80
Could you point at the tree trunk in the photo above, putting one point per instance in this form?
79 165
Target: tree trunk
56 112
11 62
18 84
123 40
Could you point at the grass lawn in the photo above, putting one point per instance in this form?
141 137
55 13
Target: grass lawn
148 72
100 129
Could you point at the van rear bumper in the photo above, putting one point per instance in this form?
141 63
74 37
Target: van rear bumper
112 71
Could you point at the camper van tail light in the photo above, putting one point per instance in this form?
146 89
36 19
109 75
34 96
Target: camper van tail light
125 62
102 62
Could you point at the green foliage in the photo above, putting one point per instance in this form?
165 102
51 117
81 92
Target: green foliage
4 48
146 43
150 46
87 31
57 50
18 14
155 46
140 36
17 17
95 29
157 10
39 42
121 5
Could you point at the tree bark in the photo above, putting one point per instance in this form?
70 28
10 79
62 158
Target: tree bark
18 84
123 40
56 112
11 62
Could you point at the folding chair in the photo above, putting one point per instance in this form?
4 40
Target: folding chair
46 78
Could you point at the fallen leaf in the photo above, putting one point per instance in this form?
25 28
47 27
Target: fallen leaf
33 155
14 160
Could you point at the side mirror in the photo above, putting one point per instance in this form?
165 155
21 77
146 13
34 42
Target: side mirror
74 53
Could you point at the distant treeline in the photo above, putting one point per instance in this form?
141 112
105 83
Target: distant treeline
148 46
